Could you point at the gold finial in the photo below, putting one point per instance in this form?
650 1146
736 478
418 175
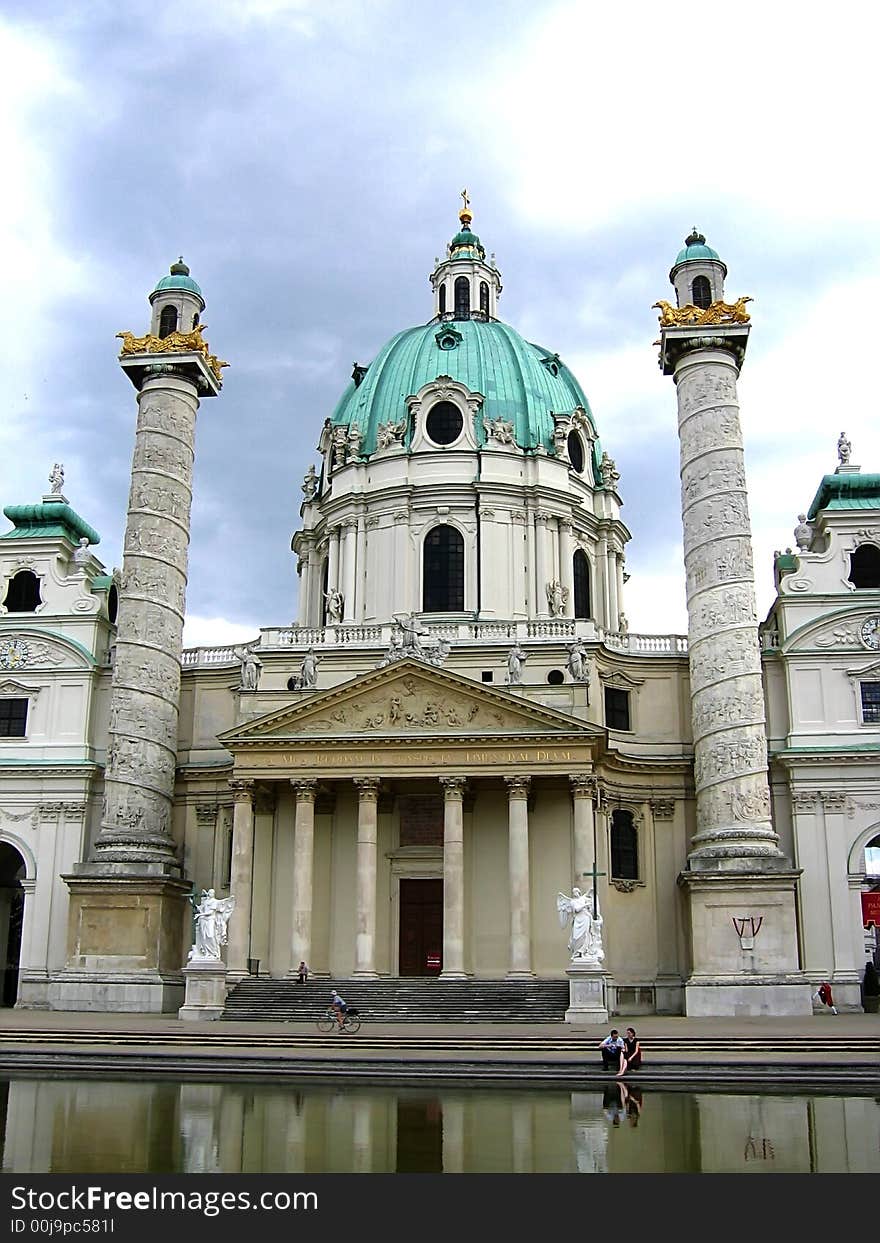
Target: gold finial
465 213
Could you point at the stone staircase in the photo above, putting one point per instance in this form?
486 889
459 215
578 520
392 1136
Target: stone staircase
425 999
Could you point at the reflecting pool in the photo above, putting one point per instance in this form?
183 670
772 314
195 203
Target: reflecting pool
99 1127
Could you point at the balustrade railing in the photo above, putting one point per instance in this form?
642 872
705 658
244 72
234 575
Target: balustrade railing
538 631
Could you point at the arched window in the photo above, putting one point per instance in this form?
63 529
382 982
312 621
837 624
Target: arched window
462 297
168 321
701 292
624 846
581 584
576 451
196 320
23 595
865 566
443 590
484 298
112 603
443 299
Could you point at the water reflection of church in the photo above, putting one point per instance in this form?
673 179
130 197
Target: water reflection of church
459 724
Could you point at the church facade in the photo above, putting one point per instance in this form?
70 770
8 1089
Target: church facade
459 725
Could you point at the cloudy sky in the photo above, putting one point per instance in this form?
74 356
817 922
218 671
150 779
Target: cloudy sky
306 159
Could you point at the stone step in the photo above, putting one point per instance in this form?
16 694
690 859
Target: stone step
403 1000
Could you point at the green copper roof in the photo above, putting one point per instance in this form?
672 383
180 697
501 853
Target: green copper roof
521 383
695 248
846 492
179 278
48 521
466 240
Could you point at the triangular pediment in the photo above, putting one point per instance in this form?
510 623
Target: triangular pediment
408 699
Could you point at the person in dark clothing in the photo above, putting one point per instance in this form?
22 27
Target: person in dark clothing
631 1054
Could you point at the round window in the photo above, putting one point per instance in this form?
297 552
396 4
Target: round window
555 677
444 423
575 451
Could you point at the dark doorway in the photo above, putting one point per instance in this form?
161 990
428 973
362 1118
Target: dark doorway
421 927
12 870
419 1136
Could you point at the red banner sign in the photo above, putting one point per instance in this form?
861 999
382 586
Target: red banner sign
871 909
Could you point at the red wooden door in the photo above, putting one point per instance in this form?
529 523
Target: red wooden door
421 927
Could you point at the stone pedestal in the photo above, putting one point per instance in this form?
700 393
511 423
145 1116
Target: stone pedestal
205 990
588 993
125 942
743 939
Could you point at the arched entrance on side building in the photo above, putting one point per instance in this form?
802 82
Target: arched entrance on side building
12 872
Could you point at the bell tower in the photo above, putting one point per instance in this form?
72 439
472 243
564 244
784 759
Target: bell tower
737 879
127 902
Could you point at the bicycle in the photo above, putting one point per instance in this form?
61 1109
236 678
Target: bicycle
351 1021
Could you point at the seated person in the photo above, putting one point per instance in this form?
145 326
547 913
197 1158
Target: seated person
612 1050
302 972
631 1056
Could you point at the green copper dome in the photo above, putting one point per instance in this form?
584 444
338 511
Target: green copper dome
521 383
179 278
466 240
695 248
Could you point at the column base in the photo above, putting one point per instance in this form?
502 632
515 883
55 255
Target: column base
142 992
452 975
588 994
520 975
744 997
362 975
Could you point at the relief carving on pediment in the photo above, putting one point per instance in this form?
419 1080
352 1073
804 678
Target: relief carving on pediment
406 708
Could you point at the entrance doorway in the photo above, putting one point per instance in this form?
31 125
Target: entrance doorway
421 927
12 869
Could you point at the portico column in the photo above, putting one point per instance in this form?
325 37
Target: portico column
241 877
303 861
453 877
518 859
582 790
365 938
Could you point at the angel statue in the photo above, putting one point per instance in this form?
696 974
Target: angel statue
212 916
585 938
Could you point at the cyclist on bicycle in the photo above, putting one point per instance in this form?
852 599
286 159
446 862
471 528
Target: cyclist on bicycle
338 1004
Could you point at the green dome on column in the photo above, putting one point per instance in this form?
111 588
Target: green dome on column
178 278
695 248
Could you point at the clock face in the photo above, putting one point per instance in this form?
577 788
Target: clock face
13 653
870 632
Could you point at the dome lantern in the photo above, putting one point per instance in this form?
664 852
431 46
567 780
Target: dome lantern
465 285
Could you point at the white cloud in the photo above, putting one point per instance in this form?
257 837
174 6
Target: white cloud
216 632
772 108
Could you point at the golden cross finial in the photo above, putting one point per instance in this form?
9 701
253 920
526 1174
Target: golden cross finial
465 199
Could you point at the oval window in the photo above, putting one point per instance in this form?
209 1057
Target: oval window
575 451
444 423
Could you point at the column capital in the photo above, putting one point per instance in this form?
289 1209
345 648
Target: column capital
367 788
453 788
833 800
305 788
663 808
517 787
242 791
583 785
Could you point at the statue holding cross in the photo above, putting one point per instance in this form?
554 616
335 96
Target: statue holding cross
581 910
